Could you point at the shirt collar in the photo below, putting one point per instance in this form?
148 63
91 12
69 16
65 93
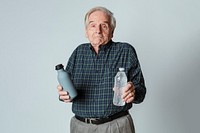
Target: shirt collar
103 47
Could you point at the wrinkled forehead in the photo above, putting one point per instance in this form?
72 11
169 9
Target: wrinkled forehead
99 14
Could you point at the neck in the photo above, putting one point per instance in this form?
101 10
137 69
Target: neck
96 49
97 46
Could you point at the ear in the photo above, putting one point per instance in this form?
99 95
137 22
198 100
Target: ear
112 34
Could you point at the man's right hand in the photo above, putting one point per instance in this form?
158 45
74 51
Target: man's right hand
63 95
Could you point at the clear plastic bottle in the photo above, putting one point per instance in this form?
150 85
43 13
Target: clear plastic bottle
120 83
65 81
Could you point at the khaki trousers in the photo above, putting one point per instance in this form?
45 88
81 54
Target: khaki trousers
121 125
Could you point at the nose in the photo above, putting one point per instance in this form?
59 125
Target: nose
98 29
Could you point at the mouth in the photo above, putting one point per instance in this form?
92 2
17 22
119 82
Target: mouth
99 36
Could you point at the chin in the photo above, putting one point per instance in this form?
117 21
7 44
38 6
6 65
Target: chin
96 43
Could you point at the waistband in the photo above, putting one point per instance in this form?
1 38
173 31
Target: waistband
98 121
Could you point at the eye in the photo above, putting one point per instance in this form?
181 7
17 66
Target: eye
104 26
92 25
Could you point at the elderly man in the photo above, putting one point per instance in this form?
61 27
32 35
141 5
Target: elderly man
92 68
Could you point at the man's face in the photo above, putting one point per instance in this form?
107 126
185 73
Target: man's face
98 30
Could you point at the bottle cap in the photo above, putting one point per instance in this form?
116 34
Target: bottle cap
59 66
121 69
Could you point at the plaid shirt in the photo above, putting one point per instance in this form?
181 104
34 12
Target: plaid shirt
93 77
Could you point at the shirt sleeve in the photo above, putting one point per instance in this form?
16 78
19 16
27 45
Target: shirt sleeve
71 63
136 76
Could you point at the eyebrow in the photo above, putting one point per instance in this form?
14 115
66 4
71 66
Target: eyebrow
103 22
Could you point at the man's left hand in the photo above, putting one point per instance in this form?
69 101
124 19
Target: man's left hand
129 92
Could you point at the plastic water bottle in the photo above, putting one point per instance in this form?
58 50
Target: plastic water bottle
120 83
65 81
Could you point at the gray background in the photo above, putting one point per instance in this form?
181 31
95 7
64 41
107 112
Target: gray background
37 35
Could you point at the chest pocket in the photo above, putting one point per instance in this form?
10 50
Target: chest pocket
109 75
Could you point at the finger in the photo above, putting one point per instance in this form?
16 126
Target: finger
125 94
128 87
129 92
59 87
129 100
129 97
67 97
63 93
130 84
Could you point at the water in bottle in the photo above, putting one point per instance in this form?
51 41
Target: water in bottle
120 83
65 81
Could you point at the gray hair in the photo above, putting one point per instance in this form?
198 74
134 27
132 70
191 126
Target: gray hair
105 10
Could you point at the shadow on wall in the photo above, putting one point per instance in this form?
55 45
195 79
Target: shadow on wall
182 88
